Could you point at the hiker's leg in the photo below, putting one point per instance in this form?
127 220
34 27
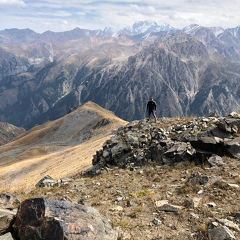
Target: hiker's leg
149 115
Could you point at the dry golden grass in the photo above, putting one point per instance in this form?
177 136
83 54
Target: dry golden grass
137 192
34 154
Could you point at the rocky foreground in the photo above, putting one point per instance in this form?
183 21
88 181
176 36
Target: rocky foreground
174 179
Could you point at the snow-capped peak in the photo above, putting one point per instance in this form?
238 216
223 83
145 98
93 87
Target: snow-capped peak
217 30
144 27
191 28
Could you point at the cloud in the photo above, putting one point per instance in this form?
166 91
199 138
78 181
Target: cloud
17 3
144 10
60 15
55 14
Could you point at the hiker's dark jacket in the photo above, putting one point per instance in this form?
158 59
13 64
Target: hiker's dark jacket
151 105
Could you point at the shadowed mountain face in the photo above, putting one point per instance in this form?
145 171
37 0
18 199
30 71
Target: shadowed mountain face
191 72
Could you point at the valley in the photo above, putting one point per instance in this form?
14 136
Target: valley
189 72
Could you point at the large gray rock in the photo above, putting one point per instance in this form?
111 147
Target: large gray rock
7 236
232 147
200 179
47 181
41 218
208 140
220 233
9 201
230 124
181 151
215 160
6 220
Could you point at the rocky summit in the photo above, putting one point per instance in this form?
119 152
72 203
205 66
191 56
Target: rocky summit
177 178
142 142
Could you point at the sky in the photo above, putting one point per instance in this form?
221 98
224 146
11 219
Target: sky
64 15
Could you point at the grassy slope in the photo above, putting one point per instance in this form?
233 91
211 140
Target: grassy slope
60 148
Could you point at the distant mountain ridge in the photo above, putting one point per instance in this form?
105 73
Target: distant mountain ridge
18 36
192 71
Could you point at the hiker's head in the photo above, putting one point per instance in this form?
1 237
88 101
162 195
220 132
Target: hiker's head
151 99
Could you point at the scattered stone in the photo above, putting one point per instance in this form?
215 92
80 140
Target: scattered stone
47 181
9 201
194 215
237 215
161 203
120 199
170 208
200 179
214 224
211 204
232 185
234 115
220 233
156 221
192 203
229 224
6 220
121 234
116 209
189 203
42 218
197 179
200 192
130 203
215 160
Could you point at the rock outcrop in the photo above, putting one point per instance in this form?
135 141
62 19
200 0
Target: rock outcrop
41 218
141 142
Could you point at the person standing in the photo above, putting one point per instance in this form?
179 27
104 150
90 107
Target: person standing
151 108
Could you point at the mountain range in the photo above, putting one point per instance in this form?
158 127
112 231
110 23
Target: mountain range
189 72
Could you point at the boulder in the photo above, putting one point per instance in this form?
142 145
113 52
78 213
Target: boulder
229 224
232 123
208 141
42 218
232 147
7 236
6 220
215 160
181 151
9 201
220 233
47 181
200 179
228 125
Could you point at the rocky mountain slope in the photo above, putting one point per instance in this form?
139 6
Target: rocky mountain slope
154 180
189 73
60 148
